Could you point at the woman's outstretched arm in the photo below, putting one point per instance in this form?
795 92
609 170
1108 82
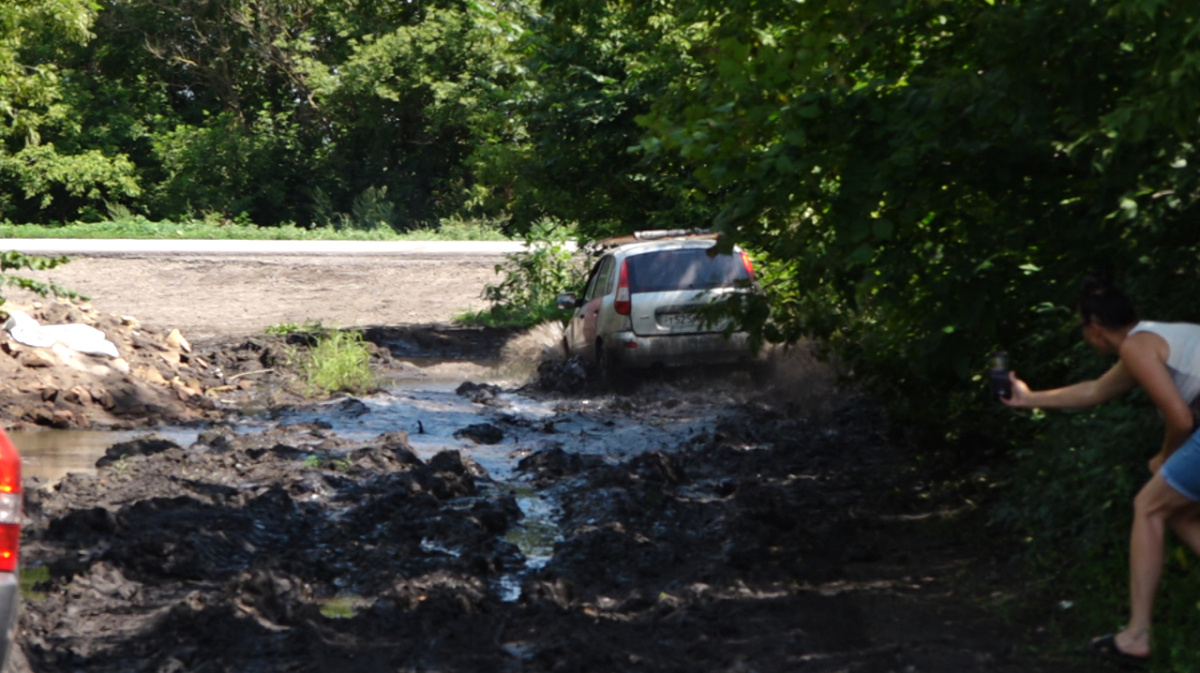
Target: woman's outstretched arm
1113 383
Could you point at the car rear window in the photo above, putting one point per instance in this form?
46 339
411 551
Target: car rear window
686 269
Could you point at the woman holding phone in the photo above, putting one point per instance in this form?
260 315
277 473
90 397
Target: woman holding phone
1164 360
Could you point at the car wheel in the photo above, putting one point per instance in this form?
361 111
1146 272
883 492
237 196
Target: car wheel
762 372
610 374
603 364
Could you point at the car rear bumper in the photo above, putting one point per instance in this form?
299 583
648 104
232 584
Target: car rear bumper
632 351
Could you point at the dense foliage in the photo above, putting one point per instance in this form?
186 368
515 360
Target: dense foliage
921 182
341 113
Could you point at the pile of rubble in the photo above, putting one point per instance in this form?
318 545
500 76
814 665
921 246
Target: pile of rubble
146 376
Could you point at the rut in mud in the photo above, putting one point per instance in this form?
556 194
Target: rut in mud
777 539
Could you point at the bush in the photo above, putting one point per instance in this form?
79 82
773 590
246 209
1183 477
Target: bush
533 279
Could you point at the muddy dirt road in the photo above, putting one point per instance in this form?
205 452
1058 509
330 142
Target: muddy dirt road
207 296
763 529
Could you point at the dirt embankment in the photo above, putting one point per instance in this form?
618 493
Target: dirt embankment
160 377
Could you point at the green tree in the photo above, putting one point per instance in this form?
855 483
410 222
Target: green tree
313 111
593 68
39 174
929 180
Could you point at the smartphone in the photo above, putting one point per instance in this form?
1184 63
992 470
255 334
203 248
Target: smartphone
998 375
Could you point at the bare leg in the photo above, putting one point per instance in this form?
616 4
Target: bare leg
1155 504
1186 524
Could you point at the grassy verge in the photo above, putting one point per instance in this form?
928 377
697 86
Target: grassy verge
211 229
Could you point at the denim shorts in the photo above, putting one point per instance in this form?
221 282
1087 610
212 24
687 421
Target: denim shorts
1182 469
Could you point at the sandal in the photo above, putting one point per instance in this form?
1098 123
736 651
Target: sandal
1106 646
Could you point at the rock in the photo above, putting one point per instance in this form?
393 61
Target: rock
151 374
353 408
104 398
37 357
481 433
141 446
79 395
62 418
175 340
479 393
185 393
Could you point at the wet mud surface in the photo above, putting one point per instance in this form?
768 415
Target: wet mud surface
760 535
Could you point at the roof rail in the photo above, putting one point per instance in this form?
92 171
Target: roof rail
653 235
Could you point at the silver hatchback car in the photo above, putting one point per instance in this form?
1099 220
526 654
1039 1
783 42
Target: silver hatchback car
639 308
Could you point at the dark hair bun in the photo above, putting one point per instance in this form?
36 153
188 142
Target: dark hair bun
1102 301
1098 282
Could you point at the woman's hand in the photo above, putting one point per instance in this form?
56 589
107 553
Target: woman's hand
1020 393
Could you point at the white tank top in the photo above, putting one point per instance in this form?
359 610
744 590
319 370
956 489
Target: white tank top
1183 353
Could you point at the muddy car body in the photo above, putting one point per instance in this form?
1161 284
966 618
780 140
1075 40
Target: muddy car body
641 307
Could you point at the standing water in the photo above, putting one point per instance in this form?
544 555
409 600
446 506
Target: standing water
432 413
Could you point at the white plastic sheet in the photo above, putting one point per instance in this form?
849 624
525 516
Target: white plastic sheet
81 338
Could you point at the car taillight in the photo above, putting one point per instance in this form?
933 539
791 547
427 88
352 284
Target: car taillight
621 304
748 264
10 504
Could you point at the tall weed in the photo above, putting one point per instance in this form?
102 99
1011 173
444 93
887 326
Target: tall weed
339 361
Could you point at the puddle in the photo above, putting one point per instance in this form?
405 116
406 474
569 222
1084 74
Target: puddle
51 454
534 535
431 412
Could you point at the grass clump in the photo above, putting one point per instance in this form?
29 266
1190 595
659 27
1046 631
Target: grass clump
339 361
289 328
33 579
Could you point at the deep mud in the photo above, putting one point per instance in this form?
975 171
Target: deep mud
789 536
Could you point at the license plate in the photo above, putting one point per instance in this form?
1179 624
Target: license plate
678 320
